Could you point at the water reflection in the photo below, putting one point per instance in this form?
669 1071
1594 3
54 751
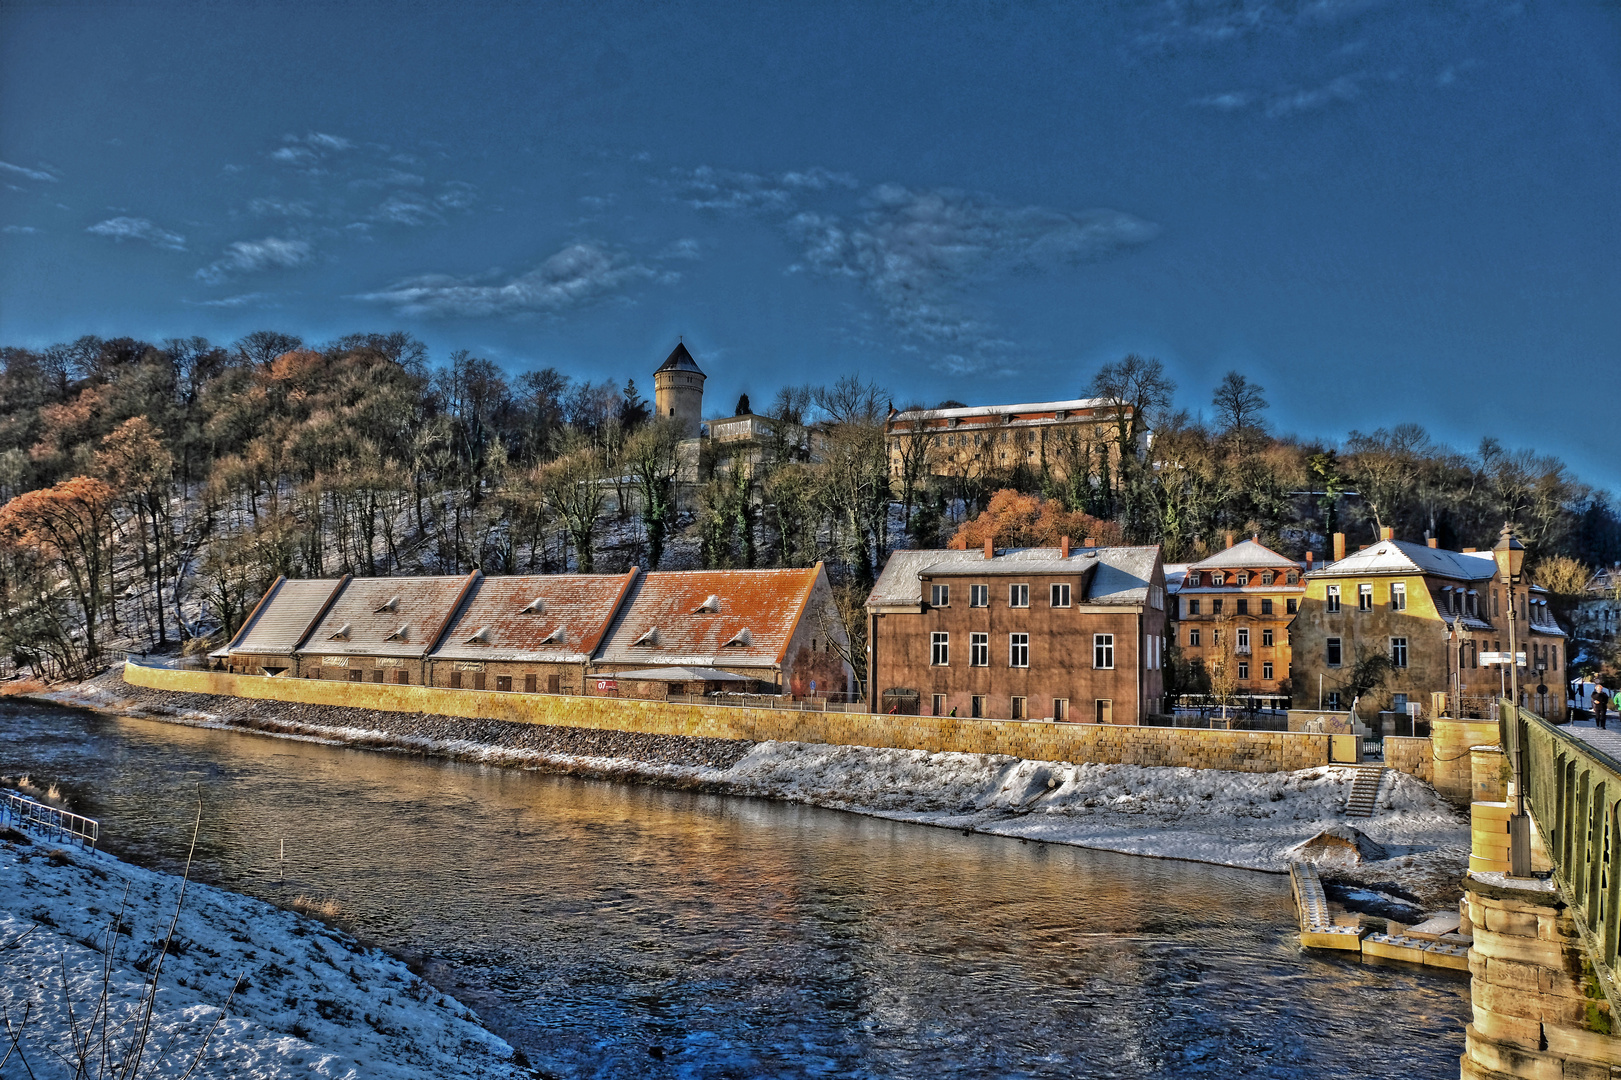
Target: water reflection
617 930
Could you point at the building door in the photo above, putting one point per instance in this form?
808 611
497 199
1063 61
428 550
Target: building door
478 680
529 682
355 674
504 683
377 676
554 684
1061 709
1105 711
455 680
402 677
977 707
939 705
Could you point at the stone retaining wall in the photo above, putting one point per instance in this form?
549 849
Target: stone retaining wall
1452 772
1413 756
1237 751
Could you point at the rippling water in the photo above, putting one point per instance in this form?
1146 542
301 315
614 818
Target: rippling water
626 931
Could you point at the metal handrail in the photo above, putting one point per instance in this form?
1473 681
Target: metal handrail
1573 792
26 814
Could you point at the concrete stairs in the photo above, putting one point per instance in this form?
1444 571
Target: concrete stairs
1365 790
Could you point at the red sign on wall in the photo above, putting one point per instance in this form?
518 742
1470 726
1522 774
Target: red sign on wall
607 686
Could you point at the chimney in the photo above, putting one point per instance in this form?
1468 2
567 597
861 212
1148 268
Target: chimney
1433 542
990 551
1228 536
1387 533
1308 562
1470 551
1339 546
1063 547
1256 537
1091 541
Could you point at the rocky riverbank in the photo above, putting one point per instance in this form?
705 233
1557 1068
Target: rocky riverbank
1246 820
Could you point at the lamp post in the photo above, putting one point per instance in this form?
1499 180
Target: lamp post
1510 556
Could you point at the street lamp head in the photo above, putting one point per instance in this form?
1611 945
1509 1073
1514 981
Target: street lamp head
1509 553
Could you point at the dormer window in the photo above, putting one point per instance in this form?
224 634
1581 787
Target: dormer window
1193 580
1218 579
1243 580
554 638
710 606
1294 577
393 604
1267 577
651 637
342 633
399 635
481 636
537 606
740 639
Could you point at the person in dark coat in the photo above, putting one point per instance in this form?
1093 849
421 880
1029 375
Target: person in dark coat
1601 704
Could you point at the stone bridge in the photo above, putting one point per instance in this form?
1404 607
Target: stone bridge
1543 967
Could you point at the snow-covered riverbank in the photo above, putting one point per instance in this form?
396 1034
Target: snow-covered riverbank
1234 819
307 1000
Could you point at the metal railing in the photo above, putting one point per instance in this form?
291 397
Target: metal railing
48 822
1573 792
772 701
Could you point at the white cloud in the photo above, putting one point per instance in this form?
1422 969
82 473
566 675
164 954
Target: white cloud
22 229
252 299
304 152
277 208
1231 101
133 228
914 251
249 256
580 274
686 248
327 142
1344 88
403 209
32 174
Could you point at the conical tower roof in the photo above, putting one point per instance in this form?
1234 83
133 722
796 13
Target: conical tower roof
680 360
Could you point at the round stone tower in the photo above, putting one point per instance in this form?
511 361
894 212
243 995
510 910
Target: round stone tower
678 390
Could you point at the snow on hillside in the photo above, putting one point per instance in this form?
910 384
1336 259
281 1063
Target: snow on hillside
311 1001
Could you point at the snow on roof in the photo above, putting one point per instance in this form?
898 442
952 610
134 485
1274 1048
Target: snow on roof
663 620
288 609
557 618
1073 405
406 630
1175 574
1405 557
682 674
1118 575
1244 555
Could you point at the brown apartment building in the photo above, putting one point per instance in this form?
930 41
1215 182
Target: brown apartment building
1046 436
1234 609
1034 633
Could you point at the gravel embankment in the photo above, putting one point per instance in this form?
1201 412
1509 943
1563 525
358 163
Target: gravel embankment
570 750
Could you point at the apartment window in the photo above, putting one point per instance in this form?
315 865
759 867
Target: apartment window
1243 637
1243 605
1193 605
1193 637
1364 597
377 676
1018 596
1103 710
1333 652
979 650
1243 669
1331 600
1060 596
1266 639
940 596
402 677
531 683
1266 605
976 706
1555 655
1103 651
1398 596
1215 636
1018 650
1333 699
1266 670
939 649
1018 709
554 684
478 680
1061 709
1291 605
455 680
1398 652
979 596
938 705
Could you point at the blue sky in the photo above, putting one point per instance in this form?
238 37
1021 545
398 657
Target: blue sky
1381 212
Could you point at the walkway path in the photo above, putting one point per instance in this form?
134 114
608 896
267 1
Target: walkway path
1607 739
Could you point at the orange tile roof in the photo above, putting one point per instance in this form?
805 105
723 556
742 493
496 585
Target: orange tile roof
417 605
284 615
661 621
564 627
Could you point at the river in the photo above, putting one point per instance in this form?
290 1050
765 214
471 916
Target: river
613 930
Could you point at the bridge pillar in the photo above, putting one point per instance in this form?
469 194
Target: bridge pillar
1539 1012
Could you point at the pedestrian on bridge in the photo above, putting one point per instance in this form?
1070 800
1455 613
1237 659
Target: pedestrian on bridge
1601 703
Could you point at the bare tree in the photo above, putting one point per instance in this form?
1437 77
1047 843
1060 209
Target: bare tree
1239 404
652 460
1138 391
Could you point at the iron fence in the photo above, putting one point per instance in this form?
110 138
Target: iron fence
1574 794
48 822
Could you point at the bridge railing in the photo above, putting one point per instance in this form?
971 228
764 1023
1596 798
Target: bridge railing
1573 792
